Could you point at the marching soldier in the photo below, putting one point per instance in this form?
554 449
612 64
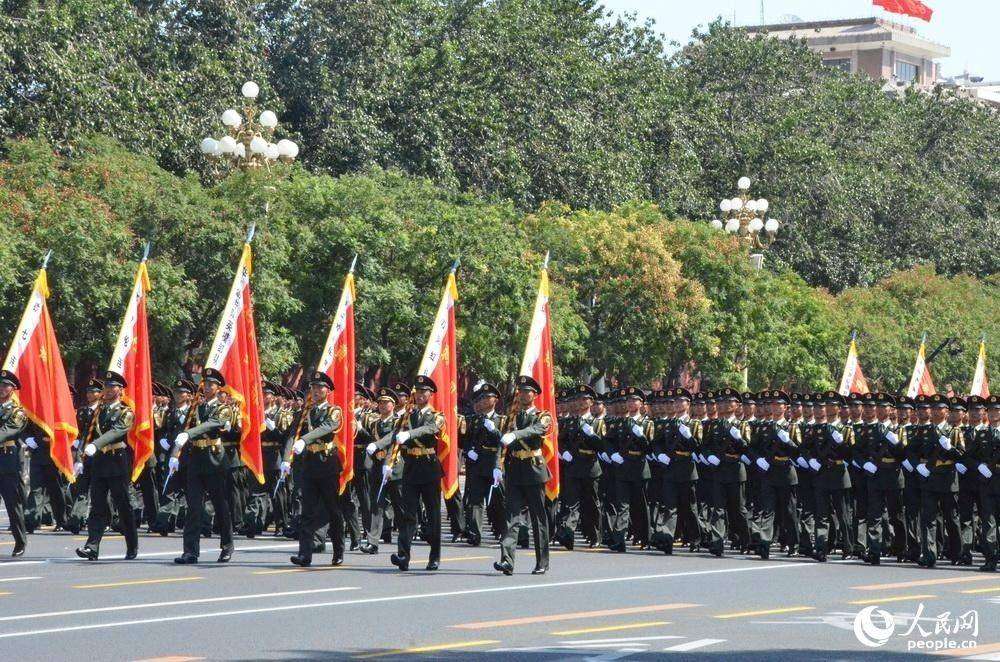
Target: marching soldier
47 491
522 467
12 425
268 501
381 428
939 446
988 451
629 445
778 492
675 446
802 425
913 415
724 444
882 450
417 439
80 491
321 469
111 470
832 443
483 433
172 491
206 468
968 480
579 482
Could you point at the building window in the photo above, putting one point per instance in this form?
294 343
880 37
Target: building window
842 63
906 72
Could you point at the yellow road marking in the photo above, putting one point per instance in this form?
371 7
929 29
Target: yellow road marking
923 582
610 628
5 592
428 649
763 612
105 537
549 618
992 589
170 658
140 582
898 598
287 570
981 649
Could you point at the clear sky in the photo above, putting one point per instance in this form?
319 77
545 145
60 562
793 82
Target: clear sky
970 27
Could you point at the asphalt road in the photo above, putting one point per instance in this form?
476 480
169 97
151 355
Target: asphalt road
592 605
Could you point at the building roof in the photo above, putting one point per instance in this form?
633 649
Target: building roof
855 33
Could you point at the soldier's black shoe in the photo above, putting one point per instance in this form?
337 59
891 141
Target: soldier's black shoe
716 551
300 561
319 548
474 541
965 559
338 559
225 555
504 567
132 554
668 548
432 565
820 556
354 544
989 566
540 570
186 559
873 559
369 548
401 562
86 553
18 549
764 551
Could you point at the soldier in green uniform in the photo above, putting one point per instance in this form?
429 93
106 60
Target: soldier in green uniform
579 480
880 452
966 414
384 477
832 442
524 472
206 468
482 433
80 490
172 489
724 444
801 417
111 470
12 424
753 415
776 459
268 501
416 438
675 446
939 446
988 455
629 444
46 494
321 469
917 413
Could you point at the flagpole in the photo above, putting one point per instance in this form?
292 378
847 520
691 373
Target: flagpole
145 252
45 260
354 263
250 232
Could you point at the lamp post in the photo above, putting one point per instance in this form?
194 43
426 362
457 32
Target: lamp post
744 217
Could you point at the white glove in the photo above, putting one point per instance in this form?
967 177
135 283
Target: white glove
663 458
745 460
181 439
588 429
402 436
783 435
735 434
961 468
637 430
285 468
603 457
567 456
891 436
713 460
173 464
684 430
507 439
89 450
497 475
489 425
870 467
228 426
814 463
270 424
908 465
837 437
945 443
371 448
386 471
78 468
472 454
985 471
801 461
76 443
923 470
617 458
164 444
763 464
31 443
298 446
701 458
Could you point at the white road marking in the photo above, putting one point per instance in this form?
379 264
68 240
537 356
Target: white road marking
174 603
11 564
398 598
18 579
692 645
286 545
618 640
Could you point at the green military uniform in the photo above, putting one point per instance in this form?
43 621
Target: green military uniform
882 452
80 491
629 444
802 433
776 458
579 475
832 442
724 442
988 455
938 447
269 502
12 424
482 445
675 446
381 429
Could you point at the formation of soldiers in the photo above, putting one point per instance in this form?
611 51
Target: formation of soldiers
869 476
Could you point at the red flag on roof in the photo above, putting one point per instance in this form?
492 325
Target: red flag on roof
913 8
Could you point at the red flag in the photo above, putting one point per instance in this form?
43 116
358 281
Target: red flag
921 382
131 361
337 361
440 363
913 8
234 354
45 396
853 379
538 364
980 380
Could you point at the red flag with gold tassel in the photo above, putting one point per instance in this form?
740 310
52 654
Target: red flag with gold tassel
538 363
337 362
853 380
440 363
131 360
921 382
234 354
35 359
